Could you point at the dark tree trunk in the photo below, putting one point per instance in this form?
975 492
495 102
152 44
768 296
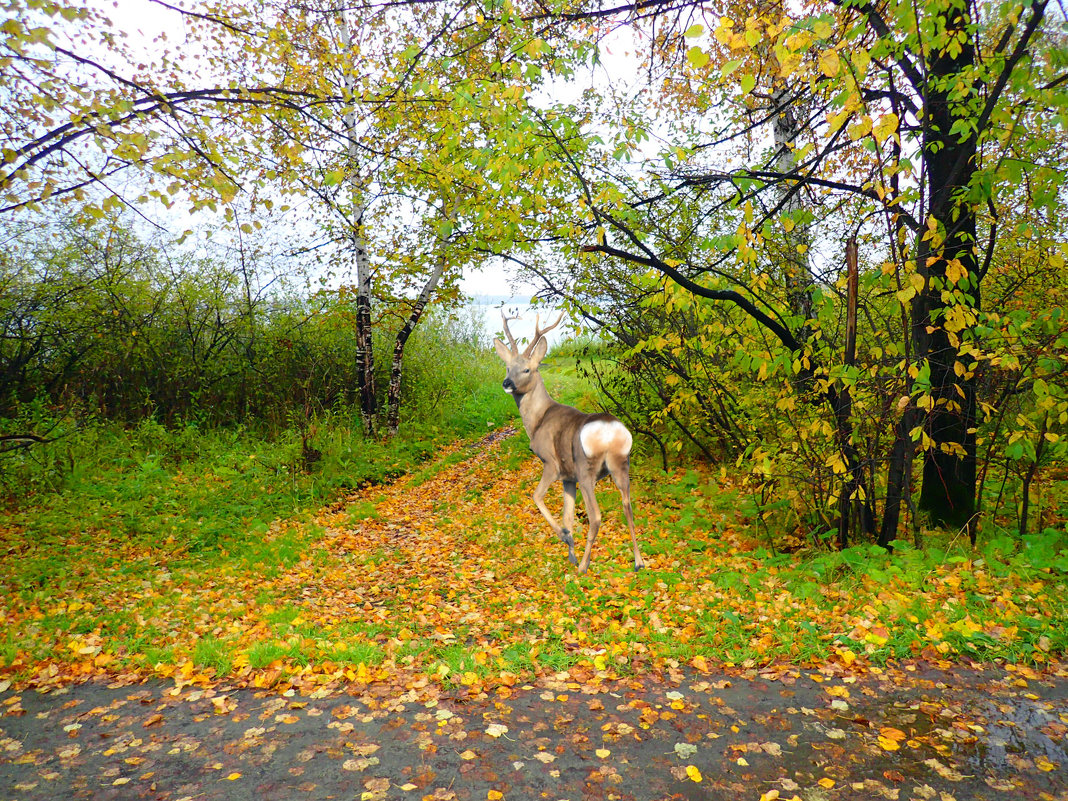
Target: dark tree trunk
396 373
949 466
397 370
843 406
1029 477
898 480
365 363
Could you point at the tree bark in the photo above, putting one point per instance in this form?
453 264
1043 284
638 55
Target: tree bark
1025 499
797 275
949 465
396 374
365 360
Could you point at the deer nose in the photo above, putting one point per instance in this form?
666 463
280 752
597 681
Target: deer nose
508 385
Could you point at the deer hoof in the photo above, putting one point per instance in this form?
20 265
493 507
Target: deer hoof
571 556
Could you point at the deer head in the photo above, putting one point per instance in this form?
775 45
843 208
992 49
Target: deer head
522 375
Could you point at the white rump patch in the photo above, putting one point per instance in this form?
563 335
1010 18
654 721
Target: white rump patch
604 435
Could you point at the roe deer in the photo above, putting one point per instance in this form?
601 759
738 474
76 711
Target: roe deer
575 447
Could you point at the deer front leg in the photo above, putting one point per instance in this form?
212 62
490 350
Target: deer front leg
594 512
569 520
548 476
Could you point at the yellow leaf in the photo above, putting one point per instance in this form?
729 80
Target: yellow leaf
886 126
788 64
697 57
825 782
888 744
860 128
233 776
1044 764
693 773
830 63
494 795
955 270
602 753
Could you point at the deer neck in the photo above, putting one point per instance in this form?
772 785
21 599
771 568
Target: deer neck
533 405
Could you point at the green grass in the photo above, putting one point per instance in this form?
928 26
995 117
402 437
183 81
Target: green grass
214 654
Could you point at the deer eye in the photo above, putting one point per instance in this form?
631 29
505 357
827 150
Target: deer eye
526 370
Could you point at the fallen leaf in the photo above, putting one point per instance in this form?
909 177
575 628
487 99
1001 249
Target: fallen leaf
694 773
685 750
1044 764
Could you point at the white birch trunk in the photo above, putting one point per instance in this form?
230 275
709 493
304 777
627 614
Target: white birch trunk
365 364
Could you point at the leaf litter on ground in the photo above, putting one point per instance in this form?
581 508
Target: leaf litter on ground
451 574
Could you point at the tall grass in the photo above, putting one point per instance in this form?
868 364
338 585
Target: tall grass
192 486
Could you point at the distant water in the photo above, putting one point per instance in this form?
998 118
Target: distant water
488 308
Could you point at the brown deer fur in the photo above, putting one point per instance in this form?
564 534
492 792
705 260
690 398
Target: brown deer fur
575 448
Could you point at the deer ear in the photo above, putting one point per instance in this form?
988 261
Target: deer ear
502 351
539 352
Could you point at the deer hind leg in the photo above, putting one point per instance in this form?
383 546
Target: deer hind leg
548 476
569 520
587 484
620 470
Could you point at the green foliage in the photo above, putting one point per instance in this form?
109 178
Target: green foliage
119 498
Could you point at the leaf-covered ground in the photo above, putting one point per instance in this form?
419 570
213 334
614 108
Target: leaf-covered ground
439 617
451 573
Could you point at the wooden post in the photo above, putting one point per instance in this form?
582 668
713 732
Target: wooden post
852 289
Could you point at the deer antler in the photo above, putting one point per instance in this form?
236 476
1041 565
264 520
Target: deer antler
511 339
539 332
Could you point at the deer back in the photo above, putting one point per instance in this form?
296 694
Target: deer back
558 437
